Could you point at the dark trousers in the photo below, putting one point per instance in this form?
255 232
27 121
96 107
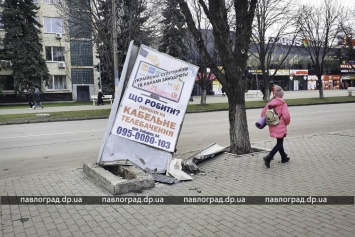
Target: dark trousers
279 147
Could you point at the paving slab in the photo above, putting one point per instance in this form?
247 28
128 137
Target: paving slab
321 164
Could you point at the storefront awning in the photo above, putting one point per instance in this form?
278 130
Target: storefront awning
212 77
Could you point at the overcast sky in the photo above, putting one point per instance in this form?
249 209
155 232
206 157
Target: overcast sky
345 3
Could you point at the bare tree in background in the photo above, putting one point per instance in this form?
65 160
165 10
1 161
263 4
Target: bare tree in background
87 20
205 74
274 19
92 20
346 37
233 58
319 27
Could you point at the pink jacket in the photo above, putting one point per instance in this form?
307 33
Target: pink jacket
280 106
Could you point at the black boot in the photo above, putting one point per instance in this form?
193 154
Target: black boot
267 160
285 158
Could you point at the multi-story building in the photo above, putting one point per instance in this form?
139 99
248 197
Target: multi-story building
70 62
296 72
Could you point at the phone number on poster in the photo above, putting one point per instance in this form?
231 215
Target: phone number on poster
142 137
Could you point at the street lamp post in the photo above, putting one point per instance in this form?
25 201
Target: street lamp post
114 43
116 29
100 74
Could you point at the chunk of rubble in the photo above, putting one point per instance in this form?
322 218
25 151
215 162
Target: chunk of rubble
189 163
175 169
161 178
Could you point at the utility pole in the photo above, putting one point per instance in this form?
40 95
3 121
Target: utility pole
100 74
116 29
114 43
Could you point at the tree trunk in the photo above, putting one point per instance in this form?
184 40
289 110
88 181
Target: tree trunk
320 88
239 135
266 91
233 59
266 94
204 96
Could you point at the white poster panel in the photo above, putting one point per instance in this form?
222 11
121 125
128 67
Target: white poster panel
295 85
155 100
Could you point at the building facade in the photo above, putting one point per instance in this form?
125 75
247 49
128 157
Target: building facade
70 62
296 72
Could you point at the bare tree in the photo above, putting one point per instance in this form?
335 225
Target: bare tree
319 27
92 20
205 74
274 20
346 38
233 58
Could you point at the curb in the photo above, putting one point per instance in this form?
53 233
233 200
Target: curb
107 116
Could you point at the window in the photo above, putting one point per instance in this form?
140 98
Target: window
57 82
53 25
82 76
35 1
81 53
55 54
7 82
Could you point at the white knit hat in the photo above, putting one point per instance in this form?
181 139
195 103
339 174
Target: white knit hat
278 92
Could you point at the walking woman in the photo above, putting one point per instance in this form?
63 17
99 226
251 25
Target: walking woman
37 98
278 131
100 96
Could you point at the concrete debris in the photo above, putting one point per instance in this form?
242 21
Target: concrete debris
189 164
161 178
175 170
209 152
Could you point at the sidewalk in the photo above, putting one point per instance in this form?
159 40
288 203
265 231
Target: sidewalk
320 165
210 100
53 109
288 95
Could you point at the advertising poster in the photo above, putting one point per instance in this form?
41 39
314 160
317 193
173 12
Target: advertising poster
155 100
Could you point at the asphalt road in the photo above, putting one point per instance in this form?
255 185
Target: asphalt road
28 149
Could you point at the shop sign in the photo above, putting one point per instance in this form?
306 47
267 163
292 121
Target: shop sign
312 77
347 66
347 71
298 72
287 41
280 72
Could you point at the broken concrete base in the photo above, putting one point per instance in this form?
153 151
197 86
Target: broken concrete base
129 179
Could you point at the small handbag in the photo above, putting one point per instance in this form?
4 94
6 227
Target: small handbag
261 123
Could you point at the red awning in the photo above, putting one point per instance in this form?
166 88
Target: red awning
211 78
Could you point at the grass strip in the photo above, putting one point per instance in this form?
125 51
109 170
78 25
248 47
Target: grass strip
192 108
259 104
